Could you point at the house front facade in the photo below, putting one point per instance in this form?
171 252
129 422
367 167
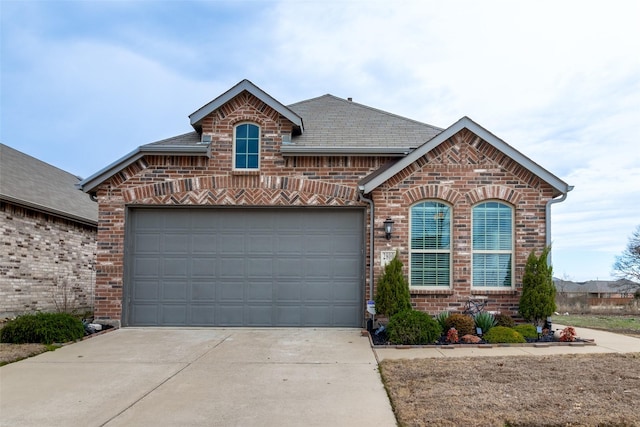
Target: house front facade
274 215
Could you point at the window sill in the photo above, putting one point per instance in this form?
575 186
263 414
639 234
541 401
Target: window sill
245 172
490 291
431 291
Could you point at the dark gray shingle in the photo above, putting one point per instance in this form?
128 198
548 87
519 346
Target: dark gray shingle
29 182
330 121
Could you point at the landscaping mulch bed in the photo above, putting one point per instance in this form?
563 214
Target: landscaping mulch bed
569 390
380 338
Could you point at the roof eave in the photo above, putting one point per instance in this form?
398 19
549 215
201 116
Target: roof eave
244 85
46 210
91 183
294 150
556 183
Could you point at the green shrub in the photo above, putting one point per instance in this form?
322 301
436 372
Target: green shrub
441 318
464 324
527 331
45 328
392 294
538 298
484 321
502 334
505 320
413 327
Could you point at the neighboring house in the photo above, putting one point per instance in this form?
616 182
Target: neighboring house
621 289
48 238
273 215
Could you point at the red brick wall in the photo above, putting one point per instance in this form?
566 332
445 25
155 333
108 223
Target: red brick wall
46 263
461 171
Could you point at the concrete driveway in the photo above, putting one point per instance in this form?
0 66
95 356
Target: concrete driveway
200 377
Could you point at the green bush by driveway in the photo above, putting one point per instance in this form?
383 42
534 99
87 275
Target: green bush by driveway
45 328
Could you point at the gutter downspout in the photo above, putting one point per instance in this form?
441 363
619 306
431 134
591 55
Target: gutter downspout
547 219
371 247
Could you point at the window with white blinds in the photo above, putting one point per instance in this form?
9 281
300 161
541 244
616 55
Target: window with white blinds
492 245
430 245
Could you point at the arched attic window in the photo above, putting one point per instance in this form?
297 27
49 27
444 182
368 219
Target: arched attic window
246 146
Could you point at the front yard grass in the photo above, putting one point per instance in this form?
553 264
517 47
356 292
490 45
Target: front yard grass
619 324
569 390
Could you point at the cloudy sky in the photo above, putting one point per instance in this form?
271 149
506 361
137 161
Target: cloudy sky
84 83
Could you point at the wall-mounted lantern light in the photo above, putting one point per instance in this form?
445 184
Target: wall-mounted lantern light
388 228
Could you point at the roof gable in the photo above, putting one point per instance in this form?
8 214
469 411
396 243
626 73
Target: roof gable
245 85
374 180
34 184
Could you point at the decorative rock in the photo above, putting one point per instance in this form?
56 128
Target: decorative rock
471 339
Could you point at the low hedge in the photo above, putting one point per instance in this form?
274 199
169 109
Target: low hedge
45 328
527 330
502 334
413 327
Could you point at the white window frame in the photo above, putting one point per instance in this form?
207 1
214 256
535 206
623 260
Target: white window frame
235 127
510 252
431 251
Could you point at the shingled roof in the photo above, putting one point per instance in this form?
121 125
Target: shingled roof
333 124
31 183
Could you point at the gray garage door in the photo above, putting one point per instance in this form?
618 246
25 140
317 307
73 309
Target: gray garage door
244 267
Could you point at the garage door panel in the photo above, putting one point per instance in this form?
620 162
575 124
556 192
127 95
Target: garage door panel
259 315
260 291
260 244
343 314
202 315
174 291
317 315
289 268
342 292
230 315
289 316
144 267
287 292
203 292
176 243
316 291
231 267
175 267
174 315
231 242
259 267
230 292
204 243
146 243
244 267
343 268
146 314
146 290
289 244
318 267
203 267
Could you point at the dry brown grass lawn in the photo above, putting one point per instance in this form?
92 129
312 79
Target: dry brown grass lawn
571 390
13 352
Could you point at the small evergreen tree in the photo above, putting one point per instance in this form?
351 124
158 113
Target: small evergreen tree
392 294
538 299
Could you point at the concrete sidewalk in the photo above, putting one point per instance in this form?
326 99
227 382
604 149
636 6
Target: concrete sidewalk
200 377
606 342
